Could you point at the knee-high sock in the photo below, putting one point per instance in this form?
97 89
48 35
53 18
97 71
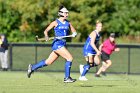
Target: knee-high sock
86 69
39 65
67 68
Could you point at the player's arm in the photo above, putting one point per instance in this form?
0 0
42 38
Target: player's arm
117 49
74 33
104 44
93 37
100 47
52 25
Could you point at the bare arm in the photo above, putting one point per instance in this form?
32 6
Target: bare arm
117 49
100 47
72 28
74 33
52 25
93 37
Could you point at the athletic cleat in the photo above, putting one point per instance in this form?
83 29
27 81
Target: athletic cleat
83 78
72 79
81 69
104 73
30 71
97 75
69 80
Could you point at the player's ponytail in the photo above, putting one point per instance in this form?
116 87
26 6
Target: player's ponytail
98 22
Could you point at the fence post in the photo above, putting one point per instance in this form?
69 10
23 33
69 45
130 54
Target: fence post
10 56
35 53
128 60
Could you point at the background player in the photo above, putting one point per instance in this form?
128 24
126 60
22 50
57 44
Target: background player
4 52
61 28
90 51
107 47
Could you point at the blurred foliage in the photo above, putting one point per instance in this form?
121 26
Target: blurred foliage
21 20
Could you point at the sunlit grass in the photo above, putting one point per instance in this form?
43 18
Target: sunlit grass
52 82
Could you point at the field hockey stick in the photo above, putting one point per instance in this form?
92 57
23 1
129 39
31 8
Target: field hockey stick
50 38
42 39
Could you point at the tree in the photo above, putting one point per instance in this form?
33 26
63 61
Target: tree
27 18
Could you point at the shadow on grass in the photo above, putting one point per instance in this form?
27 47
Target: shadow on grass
99 85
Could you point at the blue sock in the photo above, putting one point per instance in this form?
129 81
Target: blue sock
39 65
67 68
86 69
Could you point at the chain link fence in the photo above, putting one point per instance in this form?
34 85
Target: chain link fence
22 54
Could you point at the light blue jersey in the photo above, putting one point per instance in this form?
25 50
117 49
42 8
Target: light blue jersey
62 29
88 49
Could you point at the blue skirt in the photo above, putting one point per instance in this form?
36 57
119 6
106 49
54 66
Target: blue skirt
88 50
57 44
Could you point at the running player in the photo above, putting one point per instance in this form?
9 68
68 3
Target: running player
61 28
90 51
107 48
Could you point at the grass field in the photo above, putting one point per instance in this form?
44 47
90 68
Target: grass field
52 82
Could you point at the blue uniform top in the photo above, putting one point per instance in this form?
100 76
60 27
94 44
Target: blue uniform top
62 29
88 49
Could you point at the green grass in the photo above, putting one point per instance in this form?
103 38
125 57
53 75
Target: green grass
52 82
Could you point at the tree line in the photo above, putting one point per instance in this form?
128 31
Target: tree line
21 20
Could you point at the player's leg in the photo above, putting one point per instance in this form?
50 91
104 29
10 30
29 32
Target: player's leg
101 69
104 58
108 63
52 57
89 64
66 55
2 60
5 61
96 60
86 67
104 67
31 68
